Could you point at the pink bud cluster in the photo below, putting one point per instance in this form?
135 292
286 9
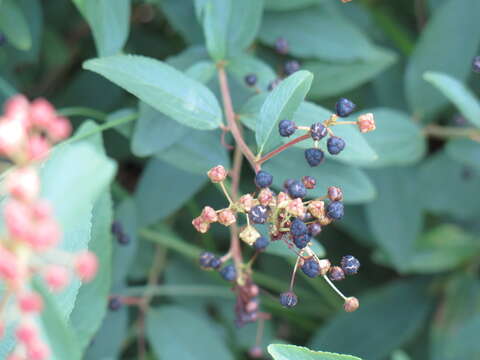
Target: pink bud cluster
27 132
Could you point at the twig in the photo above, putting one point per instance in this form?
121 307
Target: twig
282 148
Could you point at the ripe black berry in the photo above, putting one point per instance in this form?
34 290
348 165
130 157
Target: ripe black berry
476 64
286 128
314 156
335 210
298 228
281 46
290 67
258 214
335 145
309 182
288 299
116 228
336 273
3 39
296 189
205 259
311 268
123 238
251 79
215 263
301 241
344 107
318 131
350 265
261 243
115 303
229 273
314 229
263 179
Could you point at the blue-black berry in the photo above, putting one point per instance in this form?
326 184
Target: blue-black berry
298 227
296 189
311 268
116 228
336 273
205 259
314 156
281 46
115 303
261 243
344 107
335 145
314 229
273 84
3 39
288 299
301 241
258 214
476 64
318 131
215 263
229 273
335 210
350 264
286 128
309 182
290 67
263 179
123 238
251 79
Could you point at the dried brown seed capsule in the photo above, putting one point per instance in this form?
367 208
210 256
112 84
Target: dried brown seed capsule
324 265
336 273
209 215
217 174
226 217
309 182
200 225
249 235
351 304
265 196
335 193
366 123
246 202
296 208
317 209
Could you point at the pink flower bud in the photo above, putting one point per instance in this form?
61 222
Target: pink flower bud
12 136
30 303
226 217
42 113
265 196
37 350
86 265
17 108
17 218
59 129
209 215
217 174
246 202
296 208
26 333
366 123
256 352
200 225
37 148
44 235
317 209
23 183
56 277
335 193
351 304
42 210
282 200
9 269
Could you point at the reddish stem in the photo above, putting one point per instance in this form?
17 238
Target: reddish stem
282 148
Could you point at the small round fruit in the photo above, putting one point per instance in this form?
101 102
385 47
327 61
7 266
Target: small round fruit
336 273
215 263
258 214
115 303
288 299
335 210
351 304
311 268
298 228
296 189
205 259
335 145
261 243
251 79
318 131
344 107
350 264
309 182
286 128
290 67
229 273
314 229
301 241
476 64
281 46
263 179
314 156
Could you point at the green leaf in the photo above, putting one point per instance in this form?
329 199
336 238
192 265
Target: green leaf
464 151
242 65
14 25
309 35
397 140
91 302
291 352
58 335
395 216
167 333
181 16
457 93
391 315
445 247
110 23
162 87
356 186
280 104
162 189
450 22
284 5
335 78
454 329
202 71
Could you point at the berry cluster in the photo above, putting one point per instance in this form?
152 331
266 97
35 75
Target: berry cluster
320 130
27 131
290 217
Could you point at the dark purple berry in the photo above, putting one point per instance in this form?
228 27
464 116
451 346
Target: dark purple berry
229 273
251 79
309 182
296 189
115 303
263 179
344 107
301 241
116 228
335 210
3 39
287 183
476 64
298 227
205 259
286 128
258 214
215 263
335 145
314 229
288 299
336 273
123 238
350 264
314 156
273 84
318 131
311 268
261 243
290 67
306 217
281 46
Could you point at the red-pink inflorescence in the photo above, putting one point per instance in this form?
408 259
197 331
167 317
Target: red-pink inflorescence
28 130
